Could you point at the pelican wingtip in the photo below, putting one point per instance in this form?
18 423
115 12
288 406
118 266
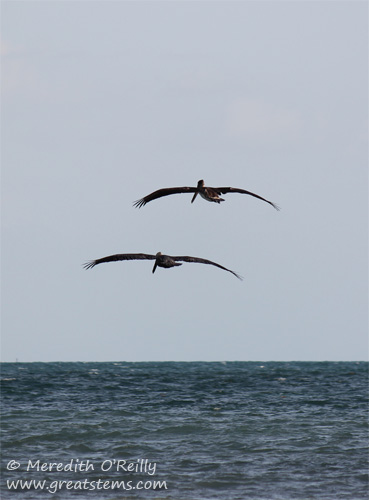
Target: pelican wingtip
89 265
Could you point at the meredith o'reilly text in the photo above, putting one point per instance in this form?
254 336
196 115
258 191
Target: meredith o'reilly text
142 466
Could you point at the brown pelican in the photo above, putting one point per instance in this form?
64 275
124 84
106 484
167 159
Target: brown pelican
208 193
161 260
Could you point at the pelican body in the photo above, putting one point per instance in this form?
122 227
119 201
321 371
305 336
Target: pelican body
161 260
208 193
164 261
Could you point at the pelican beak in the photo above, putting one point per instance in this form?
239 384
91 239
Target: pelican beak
153 269
194 196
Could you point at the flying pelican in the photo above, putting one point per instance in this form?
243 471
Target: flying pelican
161 260
208 193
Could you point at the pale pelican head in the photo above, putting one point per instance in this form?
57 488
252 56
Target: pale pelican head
200 185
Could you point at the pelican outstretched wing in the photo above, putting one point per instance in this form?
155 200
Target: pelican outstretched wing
205 261
163 192
225 190
119 256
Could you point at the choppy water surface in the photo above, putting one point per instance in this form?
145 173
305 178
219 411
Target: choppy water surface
239 430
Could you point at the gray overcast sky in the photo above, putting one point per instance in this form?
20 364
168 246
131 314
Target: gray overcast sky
104 102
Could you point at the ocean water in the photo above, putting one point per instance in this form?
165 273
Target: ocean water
235 430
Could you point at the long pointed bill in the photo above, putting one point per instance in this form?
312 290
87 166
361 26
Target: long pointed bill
153 269
194 196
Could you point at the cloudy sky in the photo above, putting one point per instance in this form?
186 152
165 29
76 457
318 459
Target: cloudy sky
104 102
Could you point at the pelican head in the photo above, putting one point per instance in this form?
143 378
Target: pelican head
200 185
157 255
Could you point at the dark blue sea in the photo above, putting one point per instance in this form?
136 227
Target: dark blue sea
231 431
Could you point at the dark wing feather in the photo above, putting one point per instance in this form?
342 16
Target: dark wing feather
163 192
205 261
225 190
119 256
